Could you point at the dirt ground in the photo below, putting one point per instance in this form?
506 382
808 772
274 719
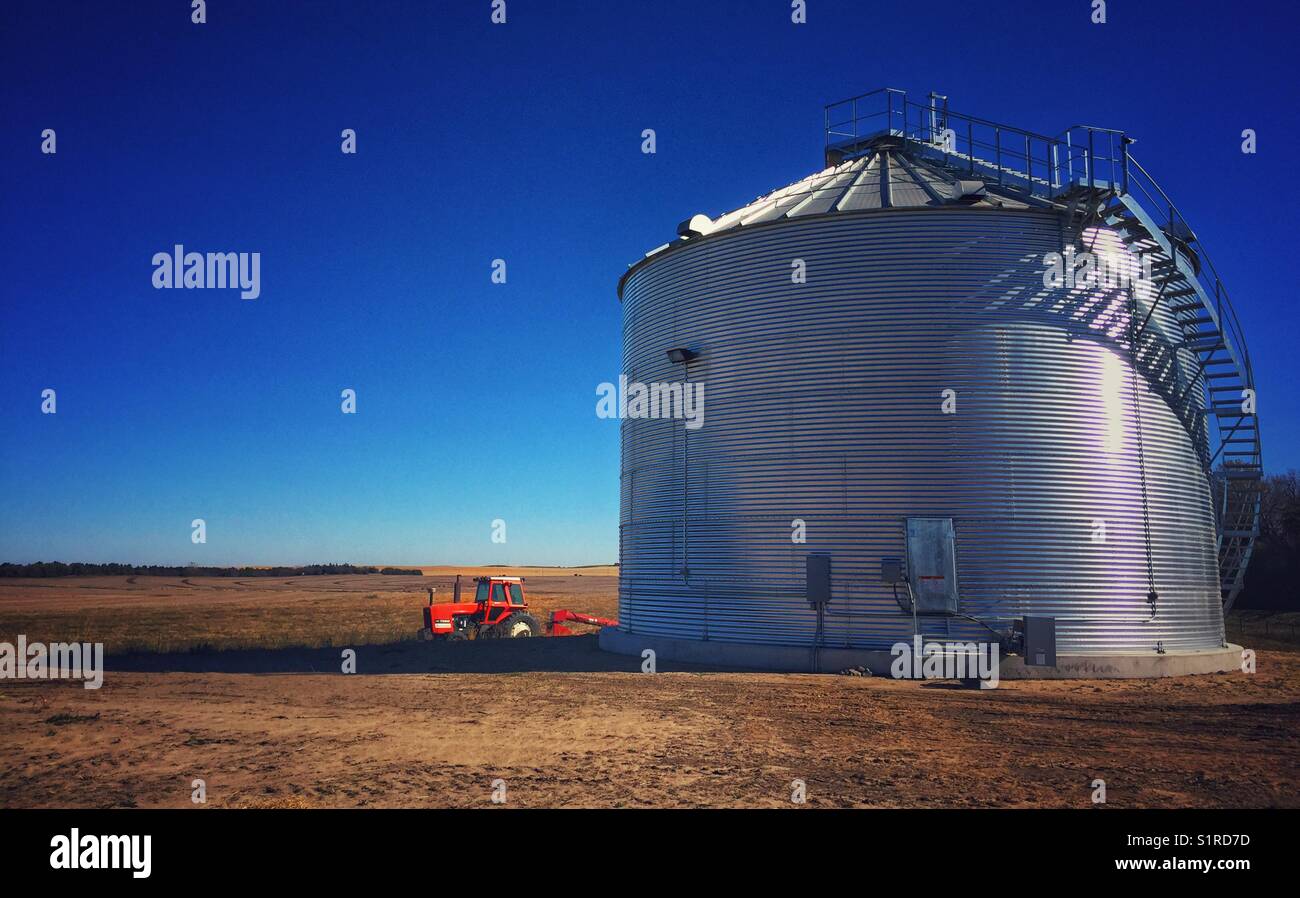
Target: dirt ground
562 724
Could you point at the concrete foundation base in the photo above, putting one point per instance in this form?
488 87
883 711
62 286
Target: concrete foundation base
803 659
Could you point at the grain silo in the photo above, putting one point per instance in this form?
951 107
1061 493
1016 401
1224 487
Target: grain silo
912 381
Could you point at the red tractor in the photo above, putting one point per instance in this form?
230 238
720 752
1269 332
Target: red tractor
499 611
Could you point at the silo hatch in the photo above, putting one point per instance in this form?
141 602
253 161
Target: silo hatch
932 564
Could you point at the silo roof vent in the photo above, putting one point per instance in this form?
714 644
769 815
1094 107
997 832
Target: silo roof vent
696 226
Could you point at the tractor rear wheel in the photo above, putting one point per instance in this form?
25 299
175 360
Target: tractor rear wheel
517 626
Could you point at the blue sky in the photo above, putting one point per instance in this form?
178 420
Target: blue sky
477 141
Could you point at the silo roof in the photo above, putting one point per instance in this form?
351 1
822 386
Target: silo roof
887 175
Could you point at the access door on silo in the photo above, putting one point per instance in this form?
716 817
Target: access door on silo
932 564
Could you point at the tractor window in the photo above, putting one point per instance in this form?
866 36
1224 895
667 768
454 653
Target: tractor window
498 593
481 594
516 594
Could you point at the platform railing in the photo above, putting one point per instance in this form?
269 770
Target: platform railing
1081 156
1038 163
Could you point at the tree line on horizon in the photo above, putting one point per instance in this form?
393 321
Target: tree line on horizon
1273 577
82 569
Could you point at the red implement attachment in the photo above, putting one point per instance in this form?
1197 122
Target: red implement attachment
555 626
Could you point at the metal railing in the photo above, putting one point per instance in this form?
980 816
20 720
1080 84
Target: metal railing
1038 163
1081 156
1150 195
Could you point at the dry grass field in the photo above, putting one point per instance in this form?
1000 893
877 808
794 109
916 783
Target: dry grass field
267 719
176 614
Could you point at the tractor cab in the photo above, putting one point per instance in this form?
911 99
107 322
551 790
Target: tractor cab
498 611
500 591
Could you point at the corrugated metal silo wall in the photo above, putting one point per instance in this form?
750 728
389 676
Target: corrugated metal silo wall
823 403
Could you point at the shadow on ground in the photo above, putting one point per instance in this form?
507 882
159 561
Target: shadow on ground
569 654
